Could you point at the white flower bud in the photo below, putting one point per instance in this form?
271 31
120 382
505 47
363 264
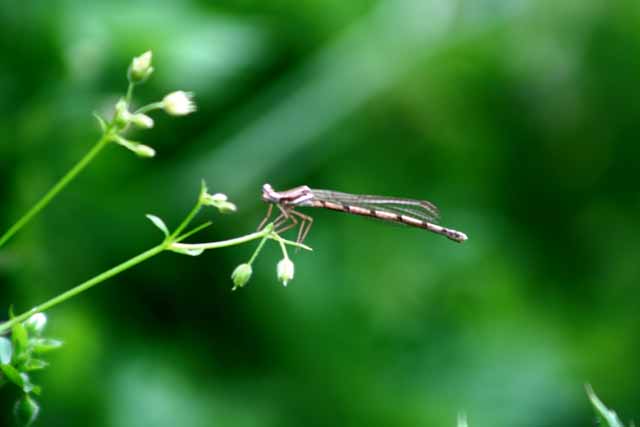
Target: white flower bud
179 103
218 197
285 271
142 121
122 114
140 68
144 150
140 149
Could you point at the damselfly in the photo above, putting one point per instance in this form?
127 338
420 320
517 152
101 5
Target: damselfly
414 213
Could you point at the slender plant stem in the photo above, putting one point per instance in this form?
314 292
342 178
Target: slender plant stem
258 249
194 231
59 186
266 232
283 247
83 286
187 220
150 107
129 92
222 243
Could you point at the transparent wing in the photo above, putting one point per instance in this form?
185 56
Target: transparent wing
420 209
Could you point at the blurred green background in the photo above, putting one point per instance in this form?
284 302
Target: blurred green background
519 119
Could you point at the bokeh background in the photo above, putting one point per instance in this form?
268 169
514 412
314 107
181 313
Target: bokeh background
519 119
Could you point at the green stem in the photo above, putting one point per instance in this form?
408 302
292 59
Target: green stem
222 243
258 249
266 232
149 107
194 231
187 220
282 246
83 286
61 184
129 92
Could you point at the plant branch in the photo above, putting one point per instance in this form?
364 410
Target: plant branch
59 186
84 286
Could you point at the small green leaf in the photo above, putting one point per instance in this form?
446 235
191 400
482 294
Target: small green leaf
12 375
602 411
186 251
19 337
34 365
159 223
26 410
6 350
101 122
44 345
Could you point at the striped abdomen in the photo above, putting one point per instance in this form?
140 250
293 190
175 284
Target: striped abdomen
391 216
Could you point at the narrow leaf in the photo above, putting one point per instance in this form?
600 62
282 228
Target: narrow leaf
159 223
101 122
607 415
185 251
12 375
20 338
34 365
45 345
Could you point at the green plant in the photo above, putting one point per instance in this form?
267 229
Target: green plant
21 354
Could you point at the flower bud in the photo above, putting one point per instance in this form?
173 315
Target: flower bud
140 149
179 103
241 275
140 68
285 271
144 150
36 323
142 121
217 198
122 114
219 201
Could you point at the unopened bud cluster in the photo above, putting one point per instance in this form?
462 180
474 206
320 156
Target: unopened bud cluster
178 103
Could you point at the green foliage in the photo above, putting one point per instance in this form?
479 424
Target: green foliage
21 356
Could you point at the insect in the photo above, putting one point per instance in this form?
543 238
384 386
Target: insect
414 213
